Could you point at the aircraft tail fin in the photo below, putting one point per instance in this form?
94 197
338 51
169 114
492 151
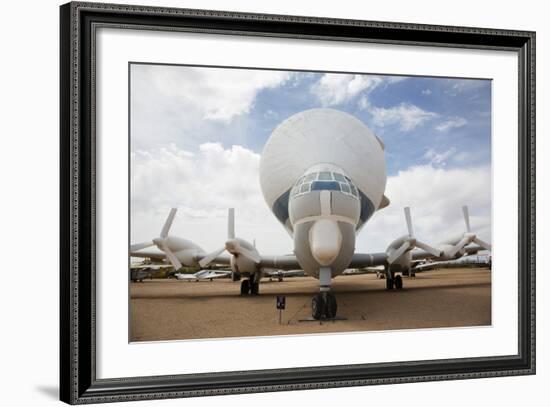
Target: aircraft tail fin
385 202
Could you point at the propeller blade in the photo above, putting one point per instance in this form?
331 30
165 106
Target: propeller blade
231 224
399 252
485 245
433 251
139 246
171 257
249 254
466 218
409 221
206 260
459 246
168 223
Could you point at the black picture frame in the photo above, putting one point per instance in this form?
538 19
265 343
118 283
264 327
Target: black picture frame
78 382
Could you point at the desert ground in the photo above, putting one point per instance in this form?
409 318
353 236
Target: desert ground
171 309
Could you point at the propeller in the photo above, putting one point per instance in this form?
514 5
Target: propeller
410 242
468 237
232 245
161 241
162 244
139 246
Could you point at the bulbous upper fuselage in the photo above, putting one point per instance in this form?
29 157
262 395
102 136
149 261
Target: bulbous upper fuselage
323 174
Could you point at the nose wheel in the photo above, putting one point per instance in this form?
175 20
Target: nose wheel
324 306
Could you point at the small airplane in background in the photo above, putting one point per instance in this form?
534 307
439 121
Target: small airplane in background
481 261
139 272
203 275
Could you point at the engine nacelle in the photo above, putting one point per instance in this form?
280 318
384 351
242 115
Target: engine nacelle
403 262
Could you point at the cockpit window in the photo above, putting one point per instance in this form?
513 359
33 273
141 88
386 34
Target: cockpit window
324 180
325 185
304 188
325 176
339 177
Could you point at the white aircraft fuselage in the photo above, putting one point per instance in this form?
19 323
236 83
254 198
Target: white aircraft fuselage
323 174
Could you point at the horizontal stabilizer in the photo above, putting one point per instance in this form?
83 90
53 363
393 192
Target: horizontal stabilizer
385 202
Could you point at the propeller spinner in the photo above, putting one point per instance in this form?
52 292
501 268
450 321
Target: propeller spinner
233 245
162 241
468 237
411 242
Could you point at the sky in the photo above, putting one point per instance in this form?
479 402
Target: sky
197 134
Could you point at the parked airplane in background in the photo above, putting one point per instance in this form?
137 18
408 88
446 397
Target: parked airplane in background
203 275
139 272
323 175
481 261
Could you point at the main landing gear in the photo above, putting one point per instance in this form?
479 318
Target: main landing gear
393 281
250 285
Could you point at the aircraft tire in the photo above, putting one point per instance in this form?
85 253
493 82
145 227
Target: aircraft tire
317 306
331 306
389 283
398 282
255 288
245 287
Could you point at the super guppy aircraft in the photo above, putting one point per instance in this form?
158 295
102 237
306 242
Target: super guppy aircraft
323 174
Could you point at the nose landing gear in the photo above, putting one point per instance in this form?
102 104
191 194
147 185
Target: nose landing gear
324 306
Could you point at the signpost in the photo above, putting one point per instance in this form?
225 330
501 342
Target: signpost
281 304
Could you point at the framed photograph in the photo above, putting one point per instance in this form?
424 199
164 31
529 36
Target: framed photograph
255 203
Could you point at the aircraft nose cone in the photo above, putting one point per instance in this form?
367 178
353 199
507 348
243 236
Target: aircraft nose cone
325 241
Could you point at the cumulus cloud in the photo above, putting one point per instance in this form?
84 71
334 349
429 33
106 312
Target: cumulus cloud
452 123
202 186
427 92
171 103
335 89
436 196
406 115
219 93
439 158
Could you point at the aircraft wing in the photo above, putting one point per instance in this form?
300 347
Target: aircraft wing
215 274
183 276
289 262
421 254
149 254
150 266
361 260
